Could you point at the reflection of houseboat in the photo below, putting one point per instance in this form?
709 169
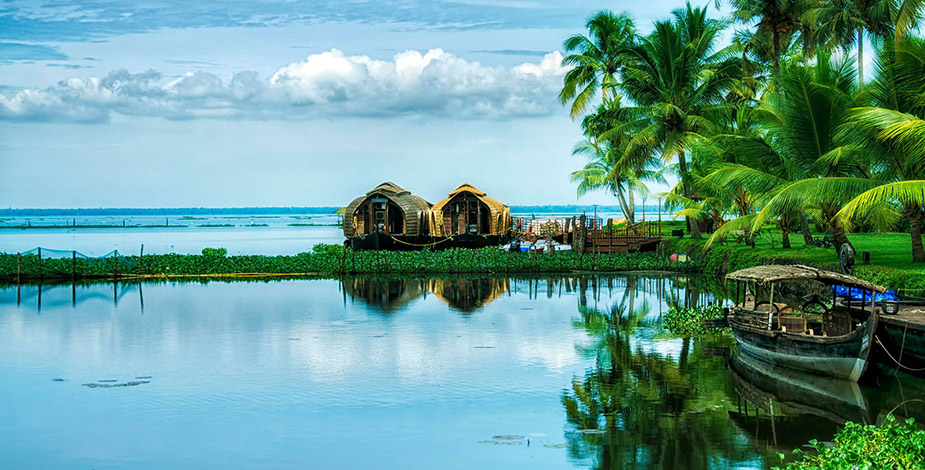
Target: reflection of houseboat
471 218
468 294
387 295
811 335
387 217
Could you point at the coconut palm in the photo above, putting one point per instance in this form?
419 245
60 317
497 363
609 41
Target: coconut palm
846 21
595 60
675 76
776 23
891 133
908 15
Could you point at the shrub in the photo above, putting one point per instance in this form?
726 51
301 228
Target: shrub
220 252
688 321
892 445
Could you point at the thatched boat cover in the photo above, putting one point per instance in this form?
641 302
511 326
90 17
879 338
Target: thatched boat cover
499 212
774 272
415 208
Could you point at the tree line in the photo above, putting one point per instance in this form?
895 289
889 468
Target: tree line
779 127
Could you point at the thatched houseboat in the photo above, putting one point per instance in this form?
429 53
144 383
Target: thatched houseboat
386 217
471 218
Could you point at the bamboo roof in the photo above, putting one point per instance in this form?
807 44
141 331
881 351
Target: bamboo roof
497 209
773 272
414 207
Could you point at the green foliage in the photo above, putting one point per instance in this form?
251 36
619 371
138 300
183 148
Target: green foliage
220 252
335 259
688 321
891 445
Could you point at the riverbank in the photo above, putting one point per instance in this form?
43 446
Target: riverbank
328 260
890 257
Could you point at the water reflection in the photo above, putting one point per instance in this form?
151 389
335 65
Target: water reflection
641 408
579 364
781 409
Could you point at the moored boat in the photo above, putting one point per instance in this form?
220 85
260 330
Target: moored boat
806 333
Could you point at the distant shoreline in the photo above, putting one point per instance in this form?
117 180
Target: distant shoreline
317 210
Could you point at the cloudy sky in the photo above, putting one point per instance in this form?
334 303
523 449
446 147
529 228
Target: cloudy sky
174 103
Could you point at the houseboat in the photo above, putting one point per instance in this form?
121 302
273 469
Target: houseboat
388 217
471 219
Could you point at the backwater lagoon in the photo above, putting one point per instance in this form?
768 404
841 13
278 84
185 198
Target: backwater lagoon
450 373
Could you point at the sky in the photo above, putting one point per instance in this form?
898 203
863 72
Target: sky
238 103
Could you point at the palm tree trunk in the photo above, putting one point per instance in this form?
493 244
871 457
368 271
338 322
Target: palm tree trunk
632 207
692 225
621 198
804 227
838 231
861 57
776 52
785 237
915 229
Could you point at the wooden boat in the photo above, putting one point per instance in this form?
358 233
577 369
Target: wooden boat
388 217
471 219
810 336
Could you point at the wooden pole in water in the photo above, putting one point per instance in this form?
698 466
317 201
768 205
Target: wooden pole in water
41 274
73 264
141 258
18 268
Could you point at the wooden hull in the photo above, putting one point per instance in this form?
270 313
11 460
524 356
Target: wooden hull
838 356
905 342
382 241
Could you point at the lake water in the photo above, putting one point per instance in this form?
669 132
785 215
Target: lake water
461 373
244 234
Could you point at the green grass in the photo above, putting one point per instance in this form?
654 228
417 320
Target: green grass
890 256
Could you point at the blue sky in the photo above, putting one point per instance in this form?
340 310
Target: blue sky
283 103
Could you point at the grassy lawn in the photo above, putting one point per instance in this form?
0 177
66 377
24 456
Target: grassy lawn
890 256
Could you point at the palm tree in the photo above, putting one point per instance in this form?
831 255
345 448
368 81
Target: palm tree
776 23
674 76
891 132
803 122
596 59
609 167
908 15
845 22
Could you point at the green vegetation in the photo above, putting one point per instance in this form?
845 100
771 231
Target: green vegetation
890 263
688 321
891 445
769 130
330 260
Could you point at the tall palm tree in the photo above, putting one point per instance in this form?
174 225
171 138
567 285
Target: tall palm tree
908 15
595 60
675 76
776 22
845 22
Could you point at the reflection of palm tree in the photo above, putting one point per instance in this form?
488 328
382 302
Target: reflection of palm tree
632 410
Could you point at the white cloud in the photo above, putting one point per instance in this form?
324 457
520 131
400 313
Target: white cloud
325 84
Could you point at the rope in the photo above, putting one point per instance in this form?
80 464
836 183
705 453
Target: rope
877 338
424 245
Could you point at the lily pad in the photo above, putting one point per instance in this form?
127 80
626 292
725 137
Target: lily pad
502 443
131 383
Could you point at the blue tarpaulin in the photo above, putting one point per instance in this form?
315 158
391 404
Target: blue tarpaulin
861 294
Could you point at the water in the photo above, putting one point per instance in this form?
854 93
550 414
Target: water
449 373
244 234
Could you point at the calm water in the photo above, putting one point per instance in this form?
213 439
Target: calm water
239 234
441 373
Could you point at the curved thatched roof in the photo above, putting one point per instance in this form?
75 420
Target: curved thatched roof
499 211
774 272
414 207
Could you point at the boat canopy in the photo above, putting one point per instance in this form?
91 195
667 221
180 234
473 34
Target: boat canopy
772 273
